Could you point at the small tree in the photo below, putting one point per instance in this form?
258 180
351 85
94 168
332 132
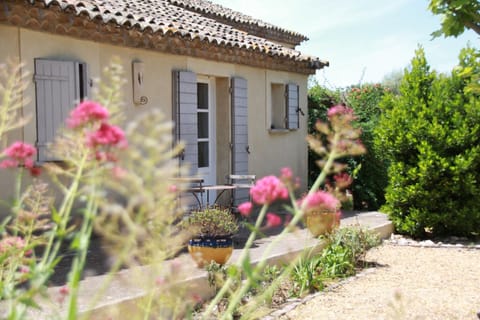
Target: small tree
457 15
431 135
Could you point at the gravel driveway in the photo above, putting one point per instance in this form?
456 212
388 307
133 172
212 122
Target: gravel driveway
408 283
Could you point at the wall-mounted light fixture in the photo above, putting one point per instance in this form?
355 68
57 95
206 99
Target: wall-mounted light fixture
138 83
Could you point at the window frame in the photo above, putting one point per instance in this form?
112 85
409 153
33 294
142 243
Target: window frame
284 107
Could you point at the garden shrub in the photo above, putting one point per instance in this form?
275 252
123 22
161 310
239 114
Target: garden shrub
307 277
357 239
431 135
369 170
345 251
319 100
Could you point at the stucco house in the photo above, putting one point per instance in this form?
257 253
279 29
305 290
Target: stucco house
235 86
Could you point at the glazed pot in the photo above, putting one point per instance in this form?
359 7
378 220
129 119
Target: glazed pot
321 222
205 249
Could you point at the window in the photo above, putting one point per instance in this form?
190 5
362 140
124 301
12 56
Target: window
203 128
58 86
278 107
193 101
285 107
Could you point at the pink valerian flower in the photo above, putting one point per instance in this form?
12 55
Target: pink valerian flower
10 242
9 163
172 188
286 174
85 112
102 156
342 180
175 266
35 171
296 184
287 220
245 208
267 190
19 153
64 291
320 200
196 298
160 281
273 220
118 172
24 269
339 110
107 135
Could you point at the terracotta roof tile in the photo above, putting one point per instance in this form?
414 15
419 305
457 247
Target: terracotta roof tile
185 18
217 10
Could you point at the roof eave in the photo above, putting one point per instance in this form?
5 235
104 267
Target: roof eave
166 41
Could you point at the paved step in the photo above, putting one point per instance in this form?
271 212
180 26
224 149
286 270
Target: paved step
119 300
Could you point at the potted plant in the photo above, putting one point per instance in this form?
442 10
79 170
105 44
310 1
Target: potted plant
213 228
322 212
322 222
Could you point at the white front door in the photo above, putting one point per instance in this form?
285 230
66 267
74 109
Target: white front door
206 133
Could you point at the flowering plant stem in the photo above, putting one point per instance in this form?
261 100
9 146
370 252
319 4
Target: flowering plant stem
44 268
18 201
79 260
244 257
129 244
59 230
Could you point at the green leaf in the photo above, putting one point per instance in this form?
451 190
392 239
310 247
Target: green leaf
247 267
29 302
75 244
55 216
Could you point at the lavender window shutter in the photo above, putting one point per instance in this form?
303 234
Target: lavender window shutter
56 94
293 106
185 116
239 122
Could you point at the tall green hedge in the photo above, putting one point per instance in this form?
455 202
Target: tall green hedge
369 170
320 99
430 133
371 167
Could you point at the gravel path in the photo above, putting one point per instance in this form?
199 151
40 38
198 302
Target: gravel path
410 282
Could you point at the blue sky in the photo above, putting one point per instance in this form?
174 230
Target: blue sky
363 40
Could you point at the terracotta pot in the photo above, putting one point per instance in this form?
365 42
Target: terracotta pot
205 249
321 222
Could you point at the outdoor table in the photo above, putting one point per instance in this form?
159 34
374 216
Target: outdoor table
195 186
221 188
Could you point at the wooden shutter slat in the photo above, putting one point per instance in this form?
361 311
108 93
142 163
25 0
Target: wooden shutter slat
55 97
293 106
185 116
239 126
